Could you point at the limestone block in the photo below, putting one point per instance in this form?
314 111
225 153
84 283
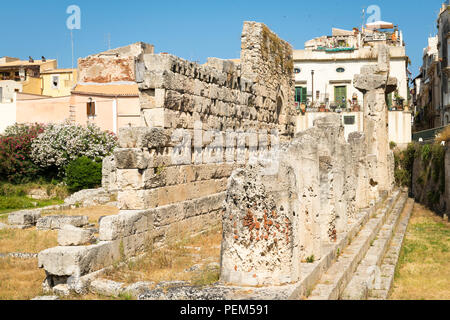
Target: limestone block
130 179
152 98
58 222
160 62
80 260
73 236
24 218
137 199
106 287
125 224
131 158
61 290
141 137
109 179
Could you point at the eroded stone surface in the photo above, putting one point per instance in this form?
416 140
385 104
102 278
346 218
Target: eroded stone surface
73 236
58 222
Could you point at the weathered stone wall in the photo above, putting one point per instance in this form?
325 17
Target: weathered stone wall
117 65
430 185
275 220
199 123
447 178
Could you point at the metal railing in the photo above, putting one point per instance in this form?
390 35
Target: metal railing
427 135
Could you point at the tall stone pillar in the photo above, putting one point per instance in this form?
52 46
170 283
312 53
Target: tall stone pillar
375 83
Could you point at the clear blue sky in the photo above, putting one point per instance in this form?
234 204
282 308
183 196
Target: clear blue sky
196 29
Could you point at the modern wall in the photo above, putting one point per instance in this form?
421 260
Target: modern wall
399 124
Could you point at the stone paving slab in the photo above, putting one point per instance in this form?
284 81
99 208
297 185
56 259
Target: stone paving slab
368 272
340 273
389 264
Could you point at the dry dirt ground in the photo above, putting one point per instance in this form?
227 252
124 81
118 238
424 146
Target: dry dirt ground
423 272
20 279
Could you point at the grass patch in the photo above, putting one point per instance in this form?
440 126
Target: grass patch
15 203
20 279
26 241
423 272
169 263
15 197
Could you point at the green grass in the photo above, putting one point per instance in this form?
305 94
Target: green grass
14 197
10 204
423 271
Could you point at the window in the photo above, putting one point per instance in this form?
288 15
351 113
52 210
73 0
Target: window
55 82
300 94
340 70
389 100
340 96
297 70
91 108
349 120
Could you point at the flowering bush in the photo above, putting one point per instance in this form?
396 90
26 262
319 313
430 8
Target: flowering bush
61 144
15 147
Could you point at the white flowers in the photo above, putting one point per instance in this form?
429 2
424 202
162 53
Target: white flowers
60 144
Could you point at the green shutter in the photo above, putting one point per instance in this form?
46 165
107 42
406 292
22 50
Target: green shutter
340 96
300 94
389 100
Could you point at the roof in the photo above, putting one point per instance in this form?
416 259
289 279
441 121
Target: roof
58 71
124 90
380 25
20 63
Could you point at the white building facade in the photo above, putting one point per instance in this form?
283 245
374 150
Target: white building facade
330 75
325 69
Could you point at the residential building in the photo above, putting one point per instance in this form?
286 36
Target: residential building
324 73
106 93
8 98
427 89
109 106
58 82
443 24
433 97
27 73
325 69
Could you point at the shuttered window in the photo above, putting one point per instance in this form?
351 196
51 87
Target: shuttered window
340 96
300 94
91 109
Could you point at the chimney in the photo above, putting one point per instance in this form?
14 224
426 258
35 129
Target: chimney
43 59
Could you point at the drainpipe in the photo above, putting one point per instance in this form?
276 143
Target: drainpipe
312 93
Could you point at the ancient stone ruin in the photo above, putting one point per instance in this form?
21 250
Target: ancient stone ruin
217 142
199 123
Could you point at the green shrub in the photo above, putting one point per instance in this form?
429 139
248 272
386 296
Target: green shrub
392 145
426 153
404 162
83 173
